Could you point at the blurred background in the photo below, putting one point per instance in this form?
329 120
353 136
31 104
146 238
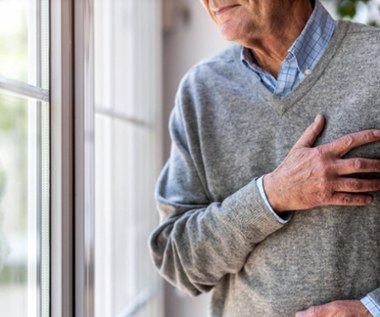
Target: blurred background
140 50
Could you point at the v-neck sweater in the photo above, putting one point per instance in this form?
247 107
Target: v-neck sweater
227 130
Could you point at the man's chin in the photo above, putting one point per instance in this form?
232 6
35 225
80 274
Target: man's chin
229 33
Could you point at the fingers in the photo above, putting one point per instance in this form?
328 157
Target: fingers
346 143
346 199
357 165
357 185
335 309
311 133
347 192
313 311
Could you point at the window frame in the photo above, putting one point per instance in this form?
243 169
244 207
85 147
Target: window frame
84 157
72 196
62 158
72 192
72 159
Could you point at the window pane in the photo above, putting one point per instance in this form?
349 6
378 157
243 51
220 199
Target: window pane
24 41
125 165
14 39
24 206
128 101
24 160
127 58
13 202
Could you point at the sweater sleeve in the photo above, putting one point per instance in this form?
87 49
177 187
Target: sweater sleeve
199 241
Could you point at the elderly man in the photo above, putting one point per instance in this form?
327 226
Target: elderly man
278 218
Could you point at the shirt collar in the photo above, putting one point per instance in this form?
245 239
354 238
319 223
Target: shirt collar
316 34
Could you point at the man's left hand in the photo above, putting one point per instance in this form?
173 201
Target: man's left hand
341 308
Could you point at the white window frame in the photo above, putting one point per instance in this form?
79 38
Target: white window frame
72 160
72 192
71 97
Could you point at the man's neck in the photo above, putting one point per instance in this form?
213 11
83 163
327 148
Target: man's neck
271 48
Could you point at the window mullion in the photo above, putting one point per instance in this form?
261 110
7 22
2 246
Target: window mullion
23 89
62 157
84 158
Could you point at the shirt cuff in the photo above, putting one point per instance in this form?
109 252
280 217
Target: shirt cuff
371 306
260 186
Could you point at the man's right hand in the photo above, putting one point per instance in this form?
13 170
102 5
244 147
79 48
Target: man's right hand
316 176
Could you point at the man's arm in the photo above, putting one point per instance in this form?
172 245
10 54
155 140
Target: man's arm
199 241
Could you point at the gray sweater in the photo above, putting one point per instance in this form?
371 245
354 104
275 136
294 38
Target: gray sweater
228 129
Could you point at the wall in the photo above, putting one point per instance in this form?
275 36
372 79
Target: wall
192 37
187 42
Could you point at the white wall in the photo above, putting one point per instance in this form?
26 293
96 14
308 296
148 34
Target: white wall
186 43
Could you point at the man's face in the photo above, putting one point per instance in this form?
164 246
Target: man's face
244 20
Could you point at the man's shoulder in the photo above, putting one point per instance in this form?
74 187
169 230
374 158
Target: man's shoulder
211 77
361 42
355 27
363 32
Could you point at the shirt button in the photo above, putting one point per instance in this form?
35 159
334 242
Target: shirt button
307 72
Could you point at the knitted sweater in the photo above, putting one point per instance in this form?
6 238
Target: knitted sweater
228 129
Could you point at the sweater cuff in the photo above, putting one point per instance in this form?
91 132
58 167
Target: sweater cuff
371 305
286 216
249 214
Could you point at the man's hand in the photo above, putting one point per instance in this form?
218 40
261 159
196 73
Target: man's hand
343 308
315 176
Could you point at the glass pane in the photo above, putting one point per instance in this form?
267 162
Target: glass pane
128 100
14 208
24 205
14 39
126 64
24 41
125 180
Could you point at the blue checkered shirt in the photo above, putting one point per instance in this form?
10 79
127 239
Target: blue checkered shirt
302 56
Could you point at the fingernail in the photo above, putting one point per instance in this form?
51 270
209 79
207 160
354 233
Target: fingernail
369 200
376 133
317 118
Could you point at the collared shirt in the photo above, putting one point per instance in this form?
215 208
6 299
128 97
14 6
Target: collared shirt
302 56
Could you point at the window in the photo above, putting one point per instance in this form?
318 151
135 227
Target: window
55 246
127 155
24 158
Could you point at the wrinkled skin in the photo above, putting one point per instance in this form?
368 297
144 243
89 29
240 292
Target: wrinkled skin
344 308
